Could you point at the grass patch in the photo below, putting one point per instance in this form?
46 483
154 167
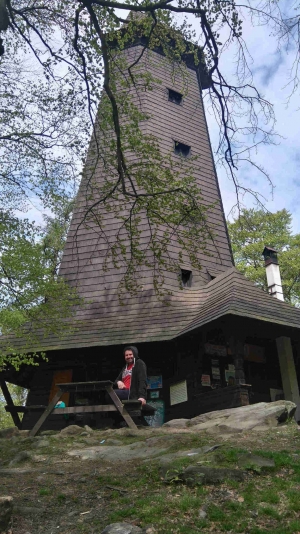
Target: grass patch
293 500
215 513
269 496
270 512
44 491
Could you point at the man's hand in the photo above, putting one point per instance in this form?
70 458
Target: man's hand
121 385
142 401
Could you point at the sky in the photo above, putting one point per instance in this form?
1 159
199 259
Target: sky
271 73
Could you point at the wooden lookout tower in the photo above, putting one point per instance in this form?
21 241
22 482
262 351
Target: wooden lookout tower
210 334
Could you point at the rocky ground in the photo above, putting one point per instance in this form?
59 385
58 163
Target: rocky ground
174 479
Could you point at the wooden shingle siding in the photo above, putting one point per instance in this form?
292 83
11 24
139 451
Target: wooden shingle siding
85 249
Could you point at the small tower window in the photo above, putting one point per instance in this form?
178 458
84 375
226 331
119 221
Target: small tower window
181 149
175 97
186 277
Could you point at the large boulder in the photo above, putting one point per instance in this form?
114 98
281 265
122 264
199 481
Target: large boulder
6 508
261 416
177 423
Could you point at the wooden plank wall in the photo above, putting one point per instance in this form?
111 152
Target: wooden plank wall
82 263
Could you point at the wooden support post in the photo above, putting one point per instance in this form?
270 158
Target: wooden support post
47 412
114 397
288 369
10 403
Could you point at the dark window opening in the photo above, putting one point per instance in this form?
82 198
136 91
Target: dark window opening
175 97
181 149
186 278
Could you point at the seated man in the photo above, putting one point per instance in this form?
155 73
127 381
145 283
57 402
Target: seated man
132 380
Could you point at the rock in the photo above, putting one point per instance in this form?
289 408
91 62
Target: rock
138 450
121 528
210 475
22 456
78 444
46 432
72 430
208 424
255 462
177 423
196 475
41 444
6 509
91 441
168 458
15 471
202 514
24 433
260 416
6 433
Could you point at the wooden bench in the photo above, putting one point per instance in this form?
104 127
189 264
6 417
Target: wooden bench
84 387
133 407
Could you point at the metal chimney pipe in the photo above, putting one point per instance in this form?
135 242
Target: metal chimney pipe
273 273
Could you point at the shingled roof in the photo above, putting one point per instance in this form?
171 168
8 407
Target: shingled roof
230 293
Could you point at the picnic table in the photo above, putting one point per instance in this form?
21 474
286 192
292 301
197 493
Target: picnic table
133 406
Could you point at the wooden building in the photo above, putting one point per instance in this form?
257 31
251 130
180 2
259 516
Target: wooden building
204 343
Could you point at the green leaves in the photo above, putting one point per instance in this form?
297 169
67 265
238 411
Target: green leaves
33 298
255 229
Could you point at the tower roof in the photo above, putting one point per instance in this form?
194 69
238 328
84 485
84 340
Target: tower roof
230 293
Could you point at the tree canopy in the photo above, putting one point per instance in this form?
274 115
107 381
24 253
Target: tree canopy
32 295
255 229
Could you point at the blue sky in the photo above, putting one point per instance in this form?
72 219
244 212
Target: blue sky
271 70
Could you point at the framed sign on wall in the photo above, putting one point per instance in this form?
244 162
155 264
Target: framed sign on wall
178 393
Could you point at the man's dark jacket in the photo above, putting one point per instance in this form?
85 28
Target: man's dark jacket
138 387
